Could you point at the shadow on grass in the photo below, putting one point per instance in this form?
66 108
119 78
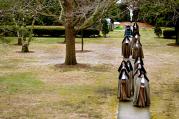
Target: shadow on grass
25 52
85 67
173 44
169 38
84 51
77 42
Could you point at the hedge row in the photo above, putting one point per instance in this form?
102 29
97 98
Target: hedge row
55 31
169 33
60 31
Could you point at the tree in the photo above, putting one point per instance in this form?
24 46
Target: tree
20 13
75 15
4 20
79 15
69 33
177 31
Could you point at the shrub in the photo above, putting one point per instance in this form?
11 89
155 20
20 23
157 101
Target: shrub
105 29
158 31
51 31
169 33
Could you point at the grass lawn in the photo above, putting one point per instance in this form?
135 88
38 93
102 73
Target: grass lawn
37 85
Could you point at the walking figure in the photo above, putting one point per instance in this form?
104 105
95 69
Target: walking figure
126 47
123 82
123 86
128 31
142 91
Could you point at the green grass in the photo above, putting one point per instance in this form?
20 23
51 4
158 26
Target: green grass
48 40
20 83
48 27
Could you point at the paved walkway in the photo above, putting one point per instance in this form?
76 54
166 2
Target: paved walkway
127 111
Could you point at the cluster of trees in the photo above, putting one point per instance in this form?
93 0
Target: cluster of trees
161 13
75 15
155 12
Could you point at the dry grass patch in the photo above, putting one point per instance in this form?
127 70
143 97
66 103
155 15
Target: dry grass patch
33 86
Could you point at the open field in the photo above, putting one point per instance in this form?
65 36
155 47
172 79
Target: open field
37 85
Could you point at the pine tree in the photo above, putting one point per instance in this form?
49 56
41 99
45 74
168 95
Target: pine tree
105 29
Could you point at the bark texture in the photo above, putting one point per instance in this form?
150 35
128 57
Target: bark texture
70 58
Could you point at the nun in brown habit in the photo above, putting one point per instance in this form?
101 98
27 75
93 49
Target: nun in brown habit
142 91
138 71
135 29
126 47
123 91
137 50
131 78
123 86
134 40
138 61
123 66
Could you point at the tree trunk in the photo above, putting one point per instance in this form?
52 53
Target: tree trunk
19 41
82 41
70 58
25 46
177 32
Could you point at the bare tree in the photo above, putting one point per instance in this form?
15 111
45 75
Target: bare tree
18 13
81 14
77 15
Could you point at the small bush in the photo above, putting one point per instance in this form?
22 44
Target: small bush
158 31
169 34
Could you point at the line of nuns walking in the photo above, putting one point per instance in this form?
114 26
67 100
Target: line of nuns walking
133 79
